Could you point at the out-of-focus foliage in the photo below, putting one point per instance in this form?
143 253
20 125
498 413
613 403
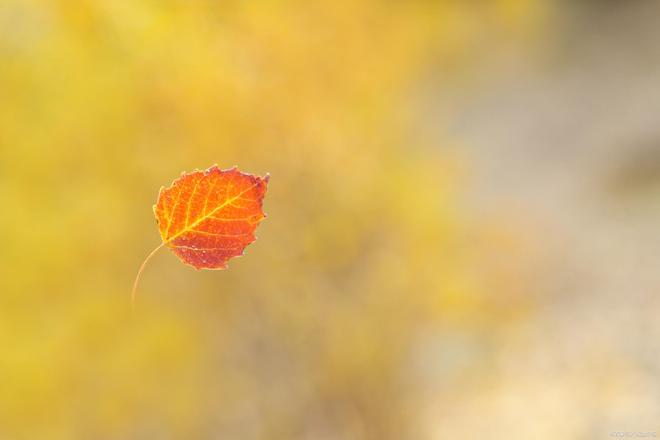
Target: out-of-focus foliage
310 337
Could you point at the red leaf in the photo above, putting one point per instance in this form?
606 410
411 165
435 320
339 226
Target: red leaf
208 217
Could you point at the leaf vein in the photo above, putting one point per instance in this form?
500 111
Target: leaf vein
207 249
214 234
210 214
171 214
192 194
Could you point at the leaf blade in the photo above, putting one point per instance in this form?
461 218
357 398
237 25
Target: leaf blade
208 217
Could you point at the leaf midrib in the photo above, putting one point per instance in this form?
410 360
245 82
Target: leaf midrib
226 203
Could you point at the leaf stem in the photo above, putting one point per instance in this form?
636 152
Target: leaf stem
137 278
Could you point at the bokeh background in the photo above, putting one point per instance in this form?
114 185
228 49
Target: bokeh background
463 231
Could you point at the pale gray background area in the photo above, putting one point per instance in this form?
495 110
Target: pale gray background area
566 139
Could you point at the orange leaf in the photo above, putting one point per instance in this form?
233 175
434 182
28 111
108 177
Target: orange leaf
208 217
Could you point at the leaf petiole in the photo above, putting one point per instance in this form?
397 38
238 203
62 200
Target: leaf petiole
137 278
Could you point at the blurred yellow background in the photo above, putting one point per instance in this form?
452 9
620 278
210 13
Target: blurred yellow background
406 281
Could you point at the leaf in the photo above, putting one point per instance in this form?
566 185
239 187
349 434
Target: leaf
208 217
